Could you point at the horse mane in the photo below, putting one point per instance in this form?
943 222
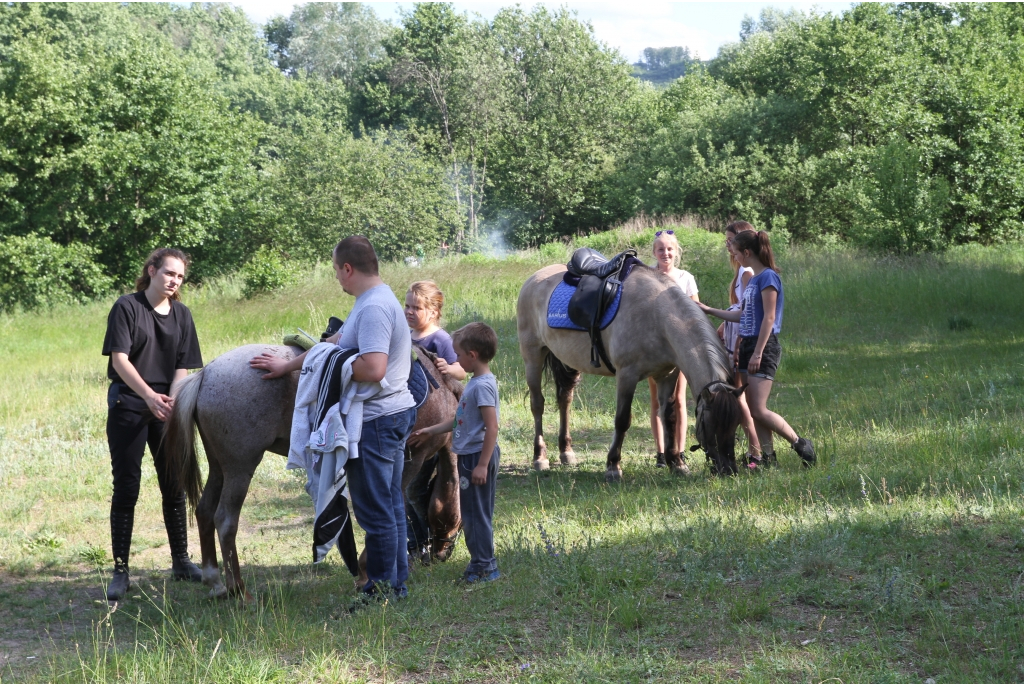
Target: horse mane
453 385
708 337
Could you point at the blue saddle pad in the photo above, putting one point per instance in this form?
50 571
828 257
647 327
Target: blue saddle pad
558 308
418 383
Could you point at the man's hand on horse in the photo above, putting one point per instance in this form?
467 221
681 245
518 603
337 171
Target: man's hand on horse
333 339
276 366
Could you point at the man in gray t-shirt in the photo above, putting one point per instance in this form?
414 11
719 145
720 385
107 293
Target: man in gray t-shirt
377 324
377 328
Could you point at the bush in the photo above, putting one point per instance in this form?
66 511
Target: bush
37 272
266 271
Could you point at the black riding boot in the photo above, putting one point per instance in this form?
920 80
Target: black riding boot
176 522
122 520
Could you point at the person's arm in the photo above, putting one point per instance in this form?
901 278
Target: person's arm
370 367
721 313
416 437
490 417
160 405
276 365
454 369
745 279
768 297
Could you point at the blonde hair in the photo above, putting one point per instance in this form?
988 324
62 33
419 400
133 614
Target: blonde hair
667 237
429 295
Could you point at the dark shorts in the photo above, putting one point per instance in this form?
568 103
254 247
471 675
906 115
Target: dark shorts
770 358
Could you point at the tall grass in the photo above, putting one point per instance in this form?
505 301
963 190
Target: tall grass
896 558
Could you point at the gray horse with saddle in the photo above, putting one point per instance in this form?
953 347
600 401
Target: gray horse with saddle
618 317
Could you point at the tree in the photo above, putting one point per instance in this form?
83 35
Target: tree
327 39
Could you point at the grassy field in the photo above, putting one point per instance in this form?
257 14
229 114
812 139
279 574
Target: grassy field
900 557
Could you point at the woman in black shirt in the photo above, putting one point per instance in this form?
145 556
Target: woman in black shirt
151 341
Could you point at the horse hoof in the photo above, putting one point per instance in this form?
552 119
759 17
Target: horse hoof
541 465
681 470
219 592
613 475
567 458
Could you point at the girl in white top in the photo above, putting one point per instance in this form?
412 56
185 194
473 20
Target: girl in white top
667 254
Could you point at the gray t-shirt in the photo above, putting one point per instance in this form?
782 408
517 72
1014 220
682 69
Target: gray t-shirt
377 324
468 431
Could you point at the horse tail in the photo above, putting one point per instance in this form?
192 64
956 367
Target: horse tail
180 438
566 379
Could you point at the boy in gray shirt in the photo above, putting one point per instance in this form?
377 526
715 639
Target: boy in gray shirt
475 441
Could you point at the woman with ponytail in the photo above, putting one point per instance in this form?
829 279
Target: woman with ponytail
759 352
151 342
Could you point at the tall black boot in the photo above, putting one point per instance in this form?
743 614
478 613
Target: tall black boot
122 520
176 522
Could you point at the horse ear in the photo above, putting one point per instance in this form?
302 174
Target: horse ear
706 394
739 391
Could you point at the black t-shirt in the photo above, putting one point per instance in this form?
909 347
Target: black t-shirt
156 344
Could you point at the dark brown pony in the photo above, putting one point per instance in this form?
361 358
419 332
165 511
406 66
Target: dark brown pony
240 416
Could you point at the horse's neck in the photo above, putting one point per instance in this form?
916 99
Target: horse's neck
690 347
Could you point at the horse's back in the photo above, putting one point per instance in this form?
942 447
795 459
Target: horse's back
240 410
531 309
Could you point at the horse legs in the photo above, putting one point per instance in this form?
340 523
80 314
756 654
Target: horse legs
565 382
232 496
669 417
625 387
205 512
443 512
534 380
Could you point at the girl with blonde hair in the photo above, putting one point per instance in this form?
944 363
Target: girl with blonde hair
667 254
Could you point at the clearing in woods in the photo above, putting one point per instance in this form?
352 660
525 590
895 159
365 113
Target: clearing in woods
900 557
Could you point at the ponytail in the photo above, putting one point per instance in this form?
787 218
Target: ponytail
758 243
156 260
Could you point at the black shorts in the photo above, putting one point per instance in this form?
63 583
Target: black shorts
770 358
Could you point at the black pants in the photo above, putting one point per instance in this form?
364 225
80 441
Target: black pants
130 426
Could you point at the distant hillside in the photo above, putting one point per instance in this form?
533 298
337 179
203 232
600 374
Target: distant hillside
662 66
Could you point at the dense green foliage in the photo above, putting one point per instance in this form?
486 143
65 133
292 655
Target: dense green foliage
128 126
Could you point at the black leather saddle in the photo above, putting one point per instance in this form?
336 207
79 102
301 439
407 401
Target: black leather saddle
600 280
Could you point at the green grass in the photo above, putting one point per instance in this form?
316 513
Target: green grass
899 558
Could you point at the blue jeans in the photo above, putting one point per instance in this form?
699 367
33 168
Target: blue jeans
476 504
375 483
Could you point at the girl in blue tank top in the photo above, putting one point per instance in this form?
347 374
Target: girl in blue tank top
759 352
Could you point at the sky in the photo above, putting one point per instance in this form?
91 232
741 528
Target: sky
701 26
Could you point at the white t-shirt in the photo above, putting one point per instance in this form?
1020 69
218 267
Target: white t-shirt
739 282
685 281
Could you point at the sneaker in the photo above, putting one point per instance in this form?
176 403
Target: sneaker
471 578
805 448
659 461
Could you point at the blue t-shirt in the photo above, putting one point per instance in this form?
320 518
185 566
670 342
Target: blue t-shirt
468 430
440 343
753 304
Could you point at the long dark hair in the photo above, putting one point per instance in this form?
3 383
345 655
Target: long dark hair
156 260
758 243
736 227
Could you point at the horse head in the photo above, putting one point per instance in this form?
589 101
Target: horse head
717 417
